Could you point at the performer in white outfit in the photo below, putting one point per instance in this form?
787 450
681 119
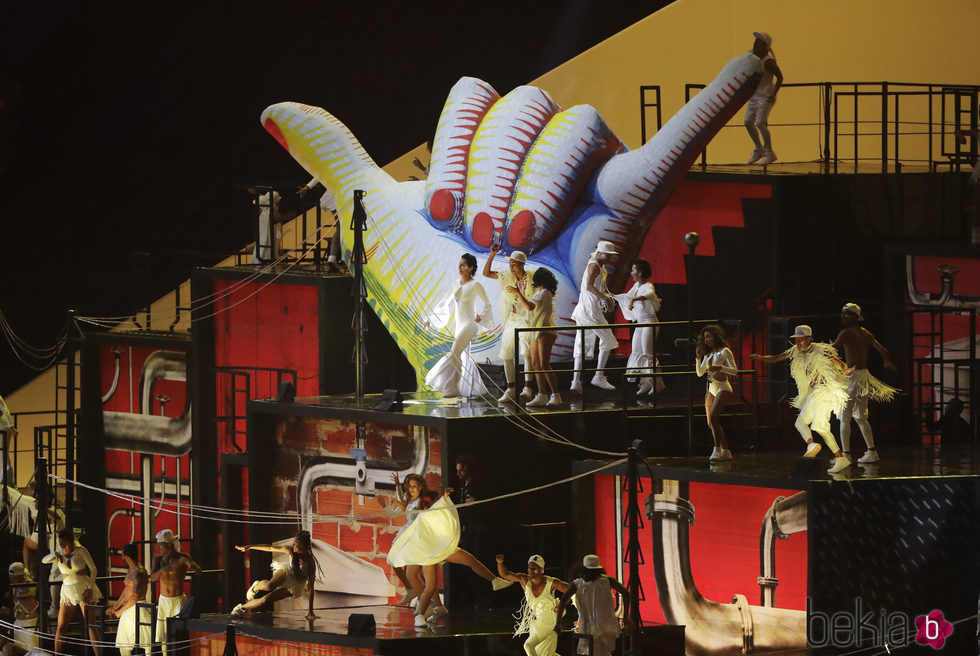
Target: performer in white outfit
456 374
295 578
169 569
594 301
715 360
22 592
538 611
760 104
640 303
432 539
515 315
408 498
861 385
134 591
78 588
596 615
821 381
541 307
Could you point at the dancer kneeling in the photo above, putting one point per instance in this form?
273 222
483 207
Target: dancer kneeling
540 603
432 539
715 360
456 374
296 578
541 305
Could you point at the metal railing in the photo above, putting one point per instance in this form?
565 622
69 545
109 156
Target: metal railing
887 123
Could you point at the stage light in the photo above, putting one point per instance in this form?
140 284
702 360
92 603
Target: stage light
286 393
361 624
391 399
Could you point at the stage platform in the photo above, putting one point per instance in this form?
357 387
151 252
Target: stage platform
458 633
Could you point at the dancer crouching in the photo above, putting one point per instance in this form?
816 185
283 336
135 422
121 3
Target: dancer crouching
540 306
296 578
715 360
432 539
538 615
822 385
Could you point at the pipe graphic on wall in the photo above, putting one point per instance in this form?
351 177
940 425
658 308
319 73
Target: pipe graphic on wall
713 628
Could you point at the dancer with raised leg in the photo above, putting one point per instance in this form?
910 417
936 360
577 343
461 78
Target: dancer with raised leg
515 316
538 611
456 374
295 578
821 381
409 498
432 539
640 304
540 306
861 385
594 301
715 360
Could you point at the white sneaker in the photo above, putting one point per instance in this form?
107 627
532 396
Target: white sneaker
756 155
602 382
812 450
576 387
645 388
250 594
768 158
407 598
724 455
526 394
509 396
871 455
238 611
440 611
540 399
555 399
840 464
715 452
420 621
499 584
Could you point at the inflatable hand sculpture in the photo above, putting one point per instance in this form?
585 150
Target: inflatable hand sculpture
514 170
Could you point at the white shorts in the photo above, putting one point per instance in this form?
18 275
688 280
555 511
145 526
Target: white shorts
715 387
757 110
126 632
167 607
73 594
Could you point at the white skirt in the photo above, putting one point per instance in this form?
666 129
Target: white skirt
430 539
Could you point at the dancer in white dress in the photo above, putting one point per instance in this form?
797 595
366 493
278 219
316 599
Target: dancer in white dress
594 300
408 498
640 303
538 612
596 615
294 579
541 307
432 539
821 381
456 374
78 586
715 360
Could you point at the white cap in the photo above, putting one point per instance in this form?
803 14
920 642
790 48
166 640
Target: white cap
591 562
854 308
16 569
166 535
518 256
765 37
537 560
606 247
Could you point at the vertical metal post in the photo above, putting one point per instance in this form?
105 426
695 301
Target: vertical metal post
633 545
42 492
231 649
692 239
827 117
359 291
884 127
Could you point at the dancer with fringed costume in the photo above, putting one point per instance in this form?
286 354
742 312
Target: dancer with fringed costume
538 610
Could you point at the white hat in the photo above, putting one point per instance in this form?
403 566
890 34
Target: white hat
765 37
606 247
853 308
537 560
802 331
16 569
518 256
591 562
166 535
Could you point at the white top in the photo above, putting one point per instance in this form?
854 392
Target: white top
721 358
542 314
512 307
765 84
589 309
464 297
645 310
77 568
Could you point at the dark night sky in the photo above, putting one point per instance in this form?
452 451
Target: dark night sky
134 125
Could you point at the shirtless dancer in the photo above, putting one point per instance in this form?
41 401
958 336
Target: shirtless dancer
134 591
170 566
861 385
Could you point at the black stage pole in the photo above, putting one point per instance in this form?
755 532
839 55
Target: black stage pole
633 546
692 239
359 291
